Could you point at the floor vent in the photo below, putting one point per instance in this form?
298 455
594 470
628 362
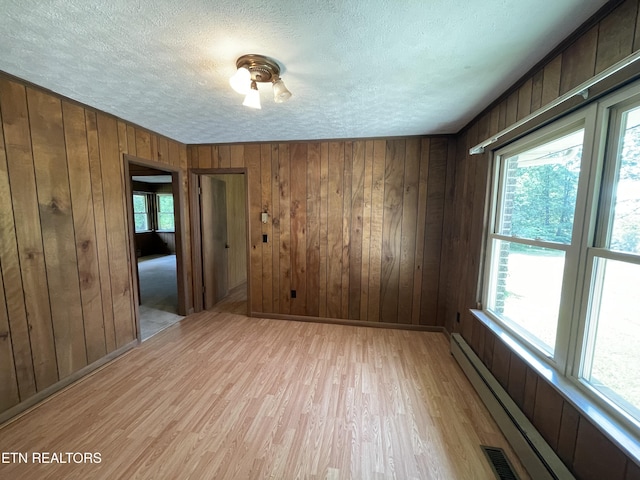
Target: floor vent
499 463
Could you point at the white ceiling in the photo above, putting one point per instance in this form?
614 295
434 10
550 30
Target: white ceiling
356 68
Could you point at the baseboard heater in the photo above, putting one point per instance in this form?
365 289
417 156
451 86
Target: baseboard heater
535 454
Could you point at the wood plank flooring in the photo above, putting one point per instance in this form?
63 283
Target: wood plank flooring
220 395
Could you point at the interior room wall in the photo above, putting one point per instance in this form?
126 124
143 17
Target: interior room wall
355 227
604 40
66 275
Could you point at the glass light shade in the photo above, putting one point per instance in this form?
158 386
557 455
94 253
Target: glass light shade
252 100
280 92
241 81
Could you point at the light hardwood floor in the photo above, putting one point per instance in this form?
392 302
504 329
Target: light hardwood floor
220 395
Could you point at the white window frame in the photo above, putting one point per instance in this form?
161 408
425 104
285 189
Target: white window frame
584 119
587 244
158 212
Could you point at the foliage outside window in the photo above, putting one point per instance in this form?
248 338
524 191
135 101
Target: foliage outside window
562 269
141 212
165 211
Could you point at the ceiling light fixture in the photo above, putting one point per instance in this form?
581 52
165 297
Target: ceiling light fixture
254 69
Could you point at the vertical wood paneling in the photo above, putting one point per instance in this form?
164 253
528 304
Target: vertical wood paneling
512 108
224 156
313 229
434 216
517 376
595 456
391 231
547 413
323 252
252 160
421 214
536 94
377 212
237 156
366 229
13 102
97 195
356 236
21 359
9 395
524 99
267 247
346 227
409 226
595 49
334 229
579 61
357 226
143 143
163 150
117 241
66 271
615 35
551 80
275 226
131 140
204 156
568 433
84 225
284 175
298 167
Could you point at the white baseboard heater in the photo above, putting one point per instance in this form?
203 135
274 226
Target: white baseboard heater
535 454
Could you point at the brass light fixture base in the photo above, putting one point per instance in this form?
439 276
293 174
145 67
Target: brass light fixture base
263 69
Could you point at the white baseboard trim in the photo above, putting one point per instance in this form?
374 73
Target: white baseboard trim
535 454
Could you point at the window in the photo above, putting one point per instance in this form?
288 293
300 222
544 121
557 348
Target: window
562 269
141 212
610 360
164 202
535 204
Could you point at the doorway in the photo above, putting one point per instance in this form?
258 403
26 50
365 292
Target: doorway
153 198
220 239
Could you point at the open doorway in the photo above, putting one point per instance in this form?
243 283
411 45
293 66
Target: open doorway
154 205
220 239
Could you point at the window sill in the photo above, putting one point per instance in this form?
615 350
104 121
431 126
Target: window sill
613 429
165 231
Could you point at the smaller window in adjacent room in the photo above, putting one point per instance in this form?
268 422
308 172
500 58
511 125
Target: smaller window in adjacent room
141 212
165 211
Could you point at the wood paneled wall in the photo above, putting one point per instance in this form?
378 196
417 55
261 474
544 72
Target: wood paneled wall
65 283
606 39
355 226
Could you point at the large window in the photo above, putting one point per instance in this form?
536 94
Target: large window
164 202
562 269
535 204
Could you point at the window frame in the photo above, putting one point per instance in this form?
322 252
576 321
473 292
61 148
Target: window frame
147 211
593 213
583 119
158 212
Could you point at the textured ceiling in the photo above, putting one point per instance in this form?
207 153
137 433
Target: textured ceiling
356 68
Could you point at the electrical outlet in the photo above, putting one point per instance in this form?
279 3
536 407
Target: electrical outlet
293 294
265 239
458 317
